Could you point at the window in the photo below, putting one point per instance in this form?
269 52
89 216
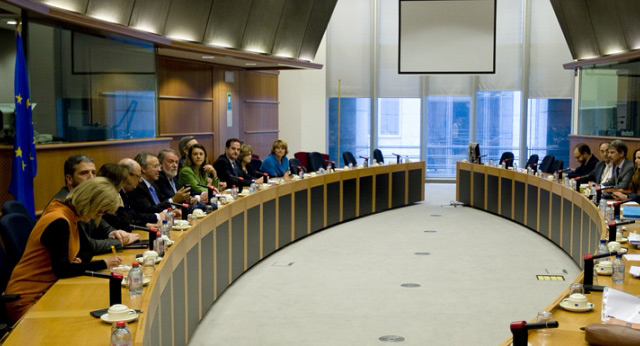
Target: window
498 124
399 127
349 128
447 134
549 127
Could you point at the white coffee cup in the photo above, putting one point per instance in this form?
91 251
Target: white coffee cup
614 246
198 212
577 300
120 312
181 223
151 254
604 267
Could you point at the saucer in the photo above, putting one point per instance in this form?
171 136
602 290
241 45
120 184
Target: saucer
623 250
605 273
181 228
568 307
201 216
623 240
105 318
141 261
145 281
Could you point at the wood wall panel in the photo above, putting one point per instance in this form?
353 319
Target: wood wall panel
185 116
260 116
260 111
221 89
261 143
260 86
184 78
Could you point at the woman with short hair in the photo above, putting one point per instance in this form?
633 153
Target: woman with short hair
56 249
277 164
245 158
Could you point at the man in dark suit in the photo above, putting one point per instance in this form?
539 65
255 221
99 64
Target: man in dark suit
622 169
167 182
229 168
602 170
588 162
146 197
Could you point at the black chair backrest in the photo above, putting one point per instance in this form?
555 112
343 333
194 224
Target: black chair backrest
255 164
377 156
533 160
546 164
15 207
557 165
5 269
15 230
293 166
507 157
348 158
315 161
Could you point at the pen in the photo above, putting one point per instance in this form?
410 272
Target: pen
113 249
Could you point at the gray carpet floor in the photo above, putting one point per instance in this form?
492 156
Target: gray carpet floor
344 286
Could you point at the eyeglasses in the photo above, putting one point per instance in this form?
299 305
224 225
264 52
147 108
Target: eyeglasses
136 175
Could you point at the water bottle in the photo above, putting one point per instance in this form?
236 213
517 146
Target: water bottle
234 192
602 248
121 336
618 269
164 229
170 216
603 207
252 188
134 280
555 176
300 172
158 244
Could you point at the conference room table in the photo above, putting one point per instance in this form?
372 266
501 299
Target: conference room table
212 254
562 215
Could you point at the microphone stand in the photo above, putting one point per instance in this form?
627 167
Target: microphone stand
587 281
152 233
115 289
520 330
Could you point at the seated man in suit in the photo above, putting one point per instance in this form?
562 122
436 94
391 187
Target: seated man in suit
229 168
146 198
622 169
126 215
602 170
78 169
588 162
167 182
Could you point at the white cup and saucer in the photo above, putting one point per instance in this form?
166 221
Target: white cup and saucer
180 224
576 302
149 255
199 212
119 312
604 268
615 246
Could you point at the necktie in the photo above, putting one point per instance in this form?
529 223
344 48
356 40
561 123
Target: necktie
617 172
235 168
153 195
173 185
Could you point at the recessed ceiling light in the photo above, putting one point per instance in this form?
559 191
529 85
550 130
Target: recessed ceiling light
208 57
250 64
12 22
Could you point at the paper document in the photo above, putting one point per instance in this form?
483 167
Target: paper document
632 257
620 305
634 271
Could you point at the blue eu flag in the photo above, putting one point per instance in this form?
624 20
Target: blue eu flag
24 158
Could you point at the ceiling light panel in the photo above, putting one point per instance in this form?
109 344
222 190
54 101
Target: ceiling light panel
295 18
114 11
188 19
150 15
227 21
262 25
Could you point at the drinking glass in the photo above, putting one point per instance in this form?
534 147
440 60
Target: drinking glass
544 317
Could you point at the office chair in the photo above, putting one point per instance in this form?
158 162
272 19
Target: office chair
302 157
256 164
546 164
15 207
557 165
15 230
5 274
377 156
293 166
533 161
507 157
348 158
315 161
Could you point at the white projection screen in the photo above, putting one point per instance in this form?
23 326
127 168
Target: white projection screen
447 37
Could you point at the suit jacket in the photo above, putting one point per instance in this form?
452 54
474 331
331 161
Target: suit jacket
125 215
164 189
585 168
142 202
225 172
623 180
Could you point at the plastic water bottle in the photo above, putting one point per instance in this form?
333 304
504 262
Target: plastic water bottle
158 245
603 207
170 216
121 336
602 248
252 188
618 269
234 192
135 280
165 228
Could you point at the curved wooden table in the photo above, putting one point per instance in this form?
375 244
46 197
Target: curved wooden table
210 256
563 216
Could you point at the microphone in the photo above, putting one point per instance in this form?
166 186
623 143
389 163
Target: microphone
366 160
587 280
333 165
152 233
115 281
398 156
209 192
183 208
520 330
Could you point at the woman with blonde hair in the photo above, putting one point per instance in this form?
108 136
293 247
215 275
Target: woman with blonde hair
56 249
245 157
277 164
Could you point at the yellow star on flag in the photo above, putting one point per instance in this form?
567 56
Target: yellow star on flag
23 165
19 99
28 104
30 157
19 152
